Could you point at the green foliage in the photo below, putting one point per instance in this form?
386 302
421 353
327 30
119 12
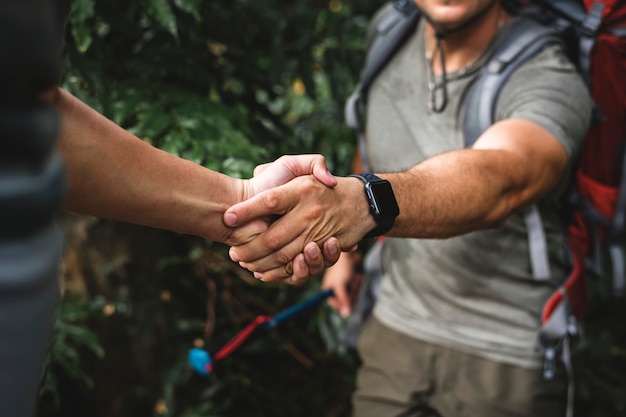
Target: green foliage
177 74
73 339
228 85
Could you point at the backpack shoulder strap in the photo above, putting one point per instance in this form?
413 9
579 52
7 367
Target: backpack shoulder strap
392 29
524 40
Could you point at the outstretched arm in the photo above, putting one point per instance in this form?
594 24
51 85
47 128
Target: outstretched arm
115 175
512 165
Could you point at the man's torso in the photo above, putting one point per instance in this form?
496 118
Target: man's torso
473 292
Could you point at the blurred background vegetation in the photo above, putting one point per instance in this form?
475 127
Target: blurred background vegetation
229 85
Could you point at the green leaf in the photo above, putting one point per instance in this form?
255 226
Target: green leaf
82 12
161 11
190 6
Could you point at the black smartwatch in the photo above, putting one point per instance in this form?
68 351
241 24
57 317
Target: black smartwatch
382 202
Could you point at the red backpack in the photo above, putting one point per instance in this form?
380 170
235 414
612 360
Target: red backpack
596 227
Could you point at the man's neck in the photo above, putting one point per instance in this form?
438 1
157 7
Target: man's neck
464 47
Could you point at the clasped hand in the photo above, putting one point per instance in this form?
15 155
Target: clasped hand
310 211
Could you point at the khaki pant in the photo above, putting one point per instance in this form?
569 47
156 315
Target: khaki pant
404 377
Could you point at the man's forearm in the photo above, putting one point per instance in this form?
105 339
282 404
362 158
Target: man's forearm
511 166
115 175
452 194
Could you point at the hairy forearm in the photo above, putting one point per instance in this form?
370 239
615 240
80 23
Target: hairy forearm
454 193
471 189
115 175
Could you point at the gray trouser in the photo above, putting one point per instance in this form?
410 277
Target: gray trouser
29 292
405 377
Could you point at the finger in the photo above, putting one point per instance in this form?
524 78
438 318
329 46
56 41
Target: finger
258 170
278 200
244 234
301 270
274 258
283 273
313 259
305 266
331 251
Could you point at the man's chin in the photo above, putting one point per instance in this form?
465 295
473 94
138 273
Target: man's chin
448 15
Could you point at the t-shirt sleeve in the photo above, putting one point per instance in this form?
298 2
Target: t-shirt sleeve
549 91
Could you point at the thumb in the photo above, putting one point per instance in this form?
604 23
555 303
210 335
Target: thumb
319 169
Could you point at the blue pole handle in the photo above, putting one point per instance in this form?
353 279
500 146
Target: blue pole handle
285 314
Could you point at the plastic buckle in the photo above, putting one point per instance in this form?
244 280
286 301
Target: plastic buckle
592 22
549 363
404 6
572 326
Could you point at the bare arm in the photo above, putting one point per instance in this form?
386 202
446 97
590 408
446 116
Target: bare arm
512 165
113 174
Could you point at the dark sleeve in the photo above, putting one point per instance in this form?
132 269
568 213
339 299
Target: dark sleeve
32 179
31 43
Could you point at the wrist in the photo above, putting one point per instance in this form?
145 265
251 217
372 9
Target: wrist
361 219
381 201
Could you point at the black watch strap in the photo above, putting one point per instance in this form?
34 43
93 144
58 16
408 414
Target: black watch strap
382 203
367 177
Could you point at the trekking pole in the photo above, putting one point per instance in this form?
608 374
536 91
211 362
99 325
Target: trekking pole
201 360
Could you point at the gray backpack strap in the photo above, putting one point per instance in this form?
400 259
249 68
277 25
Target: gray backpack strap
615 238
537 244
392 30
524 40
589 24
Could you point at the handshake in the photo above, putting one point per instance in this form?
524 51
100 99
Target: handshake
295 218
286 223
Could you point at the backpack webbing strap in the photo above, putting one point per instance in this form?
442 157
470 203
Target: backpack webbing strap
619 32
555 339
589 33
616 236
392 31
573 11
567 361
591 217
537 244
616 252
614 240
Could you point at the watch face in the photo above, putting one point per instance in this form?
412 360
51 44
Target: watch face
383 199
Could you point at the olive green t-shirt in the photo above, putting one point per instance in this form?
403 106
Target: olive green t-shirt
474 292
